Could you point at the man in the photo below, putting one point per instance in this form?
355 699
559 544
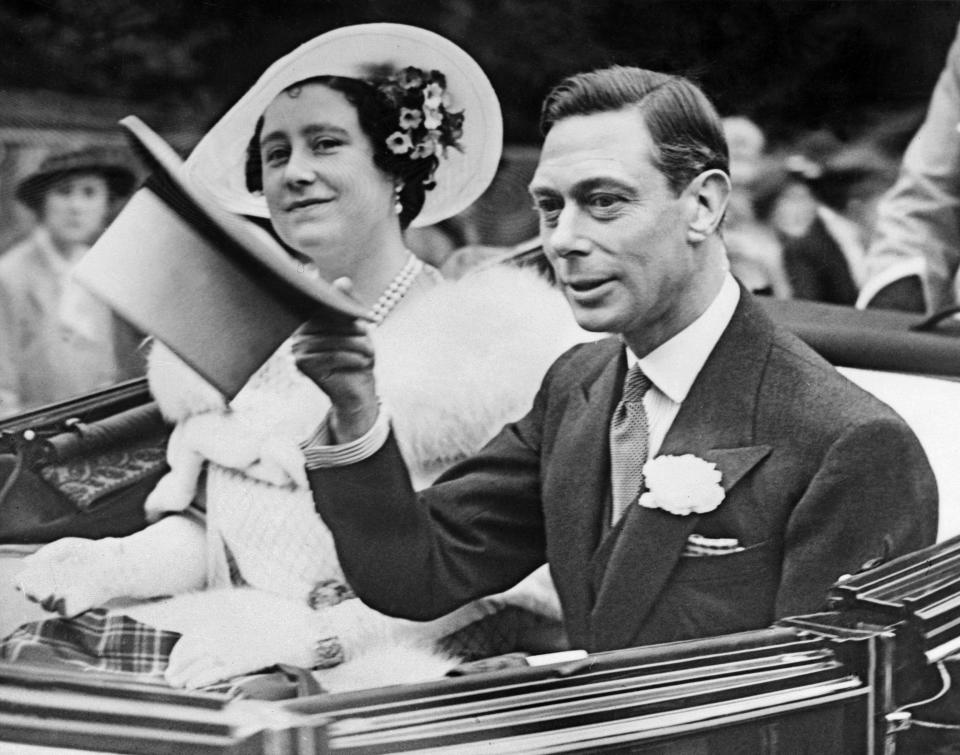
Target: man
59 342
817 477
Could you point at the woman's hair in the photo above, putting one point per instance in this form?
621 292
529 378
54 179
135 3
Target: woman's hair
378 117
683 124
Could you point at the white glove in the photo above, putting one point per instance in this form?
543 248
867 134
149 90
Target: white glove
74 574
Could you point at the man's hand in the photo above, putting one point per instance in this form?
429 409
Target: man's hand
338 357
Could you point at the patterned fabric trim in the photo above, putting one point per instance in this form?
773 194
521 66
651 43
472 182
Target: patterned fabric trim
84 481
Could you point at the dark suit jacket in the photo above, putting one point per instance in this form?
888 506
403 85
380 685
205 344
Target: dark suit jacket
820 477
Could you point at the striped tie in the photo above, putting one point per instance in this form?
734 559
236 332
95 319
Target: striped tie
629 439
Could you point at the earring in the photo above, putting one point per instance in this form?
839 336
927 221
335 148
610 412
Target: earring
397 202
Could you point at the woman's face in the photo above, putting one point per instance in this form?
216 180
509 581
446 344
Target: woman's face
75 208
323 190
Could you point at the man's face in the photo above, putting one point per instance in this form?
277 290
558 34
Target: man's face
612 228
75 208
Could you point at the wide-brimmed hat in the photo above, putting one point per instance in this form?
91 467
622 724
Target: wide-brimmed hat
218 162
112 163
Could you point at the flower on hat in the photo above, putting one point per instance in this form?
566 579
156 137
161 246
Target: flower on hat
432 95
424 149
425 126
432 118
399 143
681 485
410 118
410 78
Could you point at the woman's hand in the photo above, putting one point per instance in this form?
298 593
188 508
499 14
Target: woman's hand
339 358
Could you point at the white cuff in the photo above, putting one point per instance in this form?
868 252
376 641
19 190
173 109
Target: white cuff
319 454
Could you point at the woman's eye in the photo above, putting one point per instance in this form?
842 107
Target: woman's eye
325 144
275 155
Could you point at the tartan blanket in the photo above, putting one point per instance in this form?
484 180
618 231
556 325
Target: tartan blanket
96 640
103 641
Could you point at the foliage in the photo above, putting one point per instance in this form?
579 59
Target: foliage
790 64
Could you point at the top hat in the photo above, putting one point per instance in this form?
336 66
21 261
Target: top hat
109 162
216 289
219 159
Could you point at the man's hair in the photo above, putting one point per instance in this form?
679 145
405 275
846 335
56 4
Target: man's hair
686 130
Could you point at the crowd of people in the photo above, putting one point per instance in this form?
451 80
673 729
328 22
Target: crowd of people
629 453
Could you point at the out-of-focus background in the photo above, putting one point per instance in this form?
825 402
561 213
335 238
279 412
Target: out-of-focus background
819 97
812 75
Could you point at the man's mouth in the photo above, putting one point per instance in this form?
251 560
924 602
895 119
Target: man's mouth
584 285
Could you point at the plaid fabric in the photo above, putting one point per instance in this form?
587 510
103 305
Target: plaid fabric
93 640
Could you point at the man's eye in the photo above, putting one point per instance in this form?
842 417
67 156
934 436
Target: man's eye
547 208
604 202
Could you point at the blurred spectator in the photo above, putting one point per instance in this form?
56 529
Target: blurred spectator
821 253
755 253
914 256
849 189
56 340
746 143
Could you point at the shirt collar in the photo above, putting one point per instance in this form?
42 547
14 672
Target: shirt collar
673 366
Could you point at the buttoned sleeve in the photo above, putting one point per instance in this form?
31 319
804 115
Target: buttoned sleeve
320 453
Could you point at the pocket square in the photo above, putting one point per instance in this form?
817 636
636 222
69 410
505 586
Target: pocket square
698 545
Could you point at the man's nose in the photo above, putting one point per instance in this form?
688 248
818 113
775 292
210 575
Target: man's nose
565 237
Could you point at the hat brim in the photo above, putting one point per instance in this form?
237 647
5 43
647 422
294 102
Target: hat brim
218 161
31 189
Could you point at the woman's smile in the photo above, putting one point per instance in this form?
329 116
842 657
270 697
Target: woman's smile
307 204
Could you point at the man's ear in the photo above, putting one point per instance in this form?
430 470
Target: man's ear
709 193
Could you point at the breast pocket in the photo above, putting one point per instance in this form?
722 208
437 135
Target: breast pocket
754 560
710 595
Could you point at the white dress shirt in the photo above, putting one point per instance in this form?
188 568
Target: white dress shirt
674 365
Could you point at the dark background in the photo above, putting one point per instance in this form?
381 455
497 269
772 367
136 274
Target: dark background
791 65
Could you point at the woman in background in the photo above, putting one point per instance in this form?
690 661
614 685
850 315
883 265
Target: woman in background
59 342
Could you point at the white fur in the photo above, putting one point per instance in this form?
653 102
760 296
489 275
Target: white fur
483 344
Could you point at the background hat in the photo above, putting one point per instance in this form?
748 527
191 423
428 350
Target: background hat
110 162
217 162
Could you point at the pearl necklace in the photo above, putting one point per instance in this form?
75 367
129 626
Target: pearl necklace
397 289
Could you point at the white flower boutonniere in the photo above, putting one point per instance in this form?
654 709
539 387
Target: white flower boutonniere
681 485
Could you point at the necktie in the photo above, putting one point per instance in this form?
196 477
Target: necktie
629 442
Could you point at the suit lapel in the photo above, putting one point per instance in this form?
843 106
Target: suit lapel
633 565
578 479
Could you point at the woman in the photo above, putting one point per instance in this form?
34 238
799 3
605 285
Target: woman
59 342
354 135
